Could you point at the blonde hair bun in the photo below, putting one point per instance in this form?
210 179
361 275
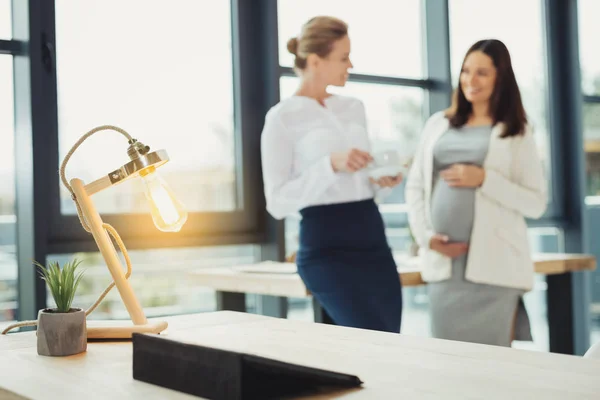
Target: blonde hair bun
292 46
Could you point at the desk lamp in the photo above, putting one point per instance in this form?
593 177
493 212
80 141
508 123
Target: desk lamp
167 212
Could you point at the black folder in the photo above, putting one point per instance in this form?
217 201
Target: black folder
223 375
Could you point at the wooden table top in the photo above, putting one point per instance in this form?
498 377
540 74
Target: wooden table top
392 366
281 279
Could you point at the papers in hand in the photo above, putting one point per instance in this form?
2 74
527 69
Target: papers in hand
388 170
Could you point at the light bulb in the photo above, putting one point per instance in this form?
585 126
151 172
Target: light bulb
168 213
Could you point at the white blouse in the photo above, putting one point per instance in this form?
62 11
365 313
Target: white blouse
297 140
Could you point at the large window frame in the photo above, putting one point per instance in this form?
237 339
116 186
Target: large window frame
237 226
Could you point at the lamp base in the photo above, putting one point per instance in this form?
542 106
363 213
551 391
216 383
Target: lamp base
99 330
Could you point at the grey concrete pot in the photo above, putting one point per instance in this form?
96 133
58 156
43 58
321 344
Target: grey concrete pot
61 334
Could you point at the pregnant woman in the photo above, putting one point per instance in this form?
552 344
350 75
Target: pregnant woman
474 179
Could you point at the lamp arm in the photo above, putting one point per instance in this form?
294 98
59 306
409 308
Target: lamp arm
63 166
98 185
112 232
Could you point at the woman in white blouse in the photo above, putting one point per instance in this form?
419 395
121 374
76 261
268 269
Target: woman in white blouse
315 150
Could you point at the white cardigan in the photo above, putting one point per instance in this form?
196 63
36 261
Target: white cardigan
514 188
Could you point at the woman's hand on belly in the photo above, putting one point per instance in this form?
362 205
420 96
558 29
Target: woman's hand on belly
440 244
463 175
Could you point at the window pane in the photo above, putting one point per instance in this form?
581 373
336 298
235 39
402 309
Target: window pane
8 259
525 41
5 20
589 32
168 82
591 135
388 42
160 278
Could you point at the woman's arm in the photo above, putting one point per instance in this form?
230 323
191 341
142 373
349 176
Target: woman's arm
528 194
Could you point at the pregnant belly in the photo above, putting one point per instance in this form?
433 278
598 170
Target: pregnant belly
452 211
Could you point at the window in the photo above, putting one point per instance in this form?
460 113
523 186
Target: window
8 259
589 59
589 56
591 134
5 20
160 278
387 42
471 21
168 82
590 74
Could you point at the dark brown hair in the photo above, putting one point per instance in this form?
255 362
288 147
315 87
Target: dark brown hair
317 37
505 104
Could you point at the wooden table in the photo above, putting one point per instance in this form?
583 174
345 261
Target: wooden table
391 366
279 281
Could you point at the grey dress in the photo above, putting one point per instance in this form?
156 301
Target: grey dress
459 309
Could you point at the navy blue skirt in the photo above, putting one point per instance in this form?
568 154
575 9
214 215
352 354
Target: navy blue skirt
345 261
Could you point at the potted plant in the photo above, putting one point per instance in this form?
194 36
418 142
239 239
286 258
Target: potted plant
61 331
